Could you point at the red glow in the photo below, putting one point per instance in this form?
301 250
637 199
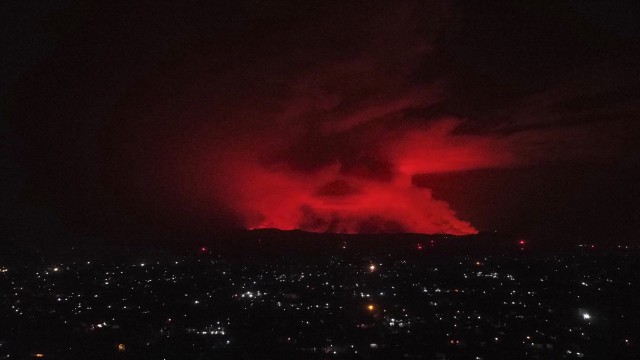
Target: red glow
522 242
335 146
419 246
435 150
203 249
286 199
355 179
329 199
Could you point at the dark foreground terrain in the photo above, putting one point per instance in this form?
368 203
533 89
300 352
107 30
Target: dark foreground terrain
421 304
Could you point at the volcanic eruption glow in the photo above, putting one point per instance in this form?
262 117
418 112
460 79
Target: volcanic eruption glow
324 141
351 117
360 198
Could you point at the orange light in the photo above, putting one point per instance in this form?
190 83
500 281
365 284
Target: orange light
122 347
39 355
371 307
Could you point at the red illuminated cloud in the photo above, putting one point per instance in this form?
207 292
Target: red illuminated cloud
325 142
332 197
323 157
335 152
286 199
435 149
319 116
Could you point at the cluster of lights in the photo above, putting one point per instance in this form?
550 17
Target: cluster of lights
435 290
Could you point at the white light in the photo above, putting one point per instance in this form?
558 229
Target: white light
586 316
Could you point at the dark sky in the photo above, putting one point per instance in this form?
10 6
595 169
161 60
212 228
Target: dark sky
174 119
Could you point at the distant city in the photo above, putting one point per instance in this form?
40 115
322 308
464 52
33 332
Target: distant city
422 304
319 180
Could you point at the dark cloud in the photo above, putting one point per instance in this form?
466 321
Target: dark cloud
337 188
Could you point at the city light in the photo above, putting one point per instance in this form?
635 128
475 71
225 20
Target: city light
222 294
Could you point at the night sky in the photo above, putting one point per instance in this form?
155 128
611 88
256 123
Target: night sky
178 119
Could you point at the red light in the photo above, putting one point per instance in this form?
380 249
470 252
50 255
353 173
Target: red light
419 246
203 249
349 199
522 242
